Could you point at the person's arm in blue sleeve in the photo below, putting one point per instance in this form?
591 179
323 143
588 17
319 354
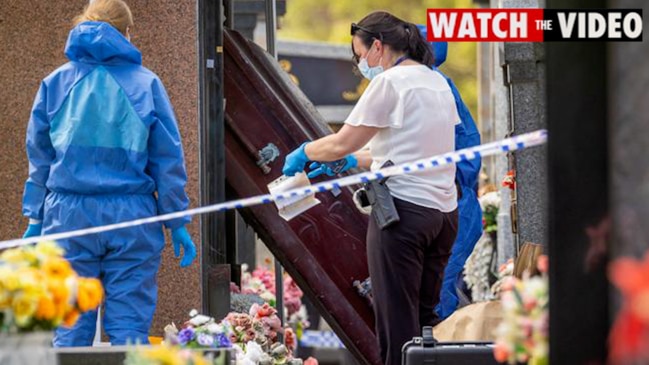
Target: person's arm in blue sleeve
40 154
166 160
167 167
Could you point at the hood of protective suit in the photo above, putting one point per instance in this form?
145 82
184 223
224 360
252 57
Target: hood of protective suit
100 43
439 48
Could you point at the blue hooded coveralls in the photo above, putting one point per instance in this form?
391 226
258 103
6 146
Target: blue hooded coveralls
101 140
466 176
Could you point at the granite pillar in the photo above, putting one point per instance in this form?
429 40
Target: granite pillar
525 76
32 36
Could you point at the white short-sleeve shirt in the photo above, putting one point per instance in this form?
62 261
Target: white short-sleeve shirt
415 109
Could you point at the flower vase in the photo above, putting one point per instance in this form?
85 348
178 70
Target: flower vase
34 348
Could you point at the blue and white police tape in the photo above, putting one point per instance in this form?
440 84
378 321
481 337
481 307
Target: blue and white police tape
320 339
506 145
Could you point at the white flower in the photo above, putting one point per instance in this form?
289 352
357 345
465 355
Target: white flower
241 356
267 296
199 320
193 313
490 199
254 352
476 270
245 361
238 351
171 329
214 328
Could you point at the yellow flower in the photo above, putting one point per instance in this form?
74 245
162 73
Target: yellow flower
23 307
198 360
71 318
9 279
163 355
30 281
46 309
48 249
61 310
167 355
57 267
5 299
59 289
89 294
19 257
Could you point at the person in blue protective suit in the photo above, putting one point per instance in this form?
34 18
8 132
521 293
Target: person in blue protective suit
103 147
466 176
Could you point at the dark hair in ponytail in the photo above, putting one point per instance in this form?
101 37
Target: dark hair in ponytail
400 35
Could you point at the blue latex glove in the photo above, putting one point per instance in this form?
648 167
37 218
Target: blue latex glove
33 230
332 168
295 161
180 237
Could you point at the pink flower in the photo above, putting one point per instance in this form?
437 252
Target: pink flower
292 305
267 278
250 335
272 336
291 290
543 263
273 323
529 303
265 310
289 339
501 352
509 283
239 320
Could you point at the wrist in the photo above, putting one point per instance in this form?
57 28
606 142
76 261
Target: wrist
352 161
303 148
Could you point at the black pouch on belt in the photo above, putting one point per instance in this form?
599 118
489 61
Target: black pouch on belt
383 210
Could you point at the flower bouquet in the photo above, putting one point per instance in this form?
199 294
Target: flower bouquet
39 291
253 336
477 269
490 204
199 332
261 282
509 181
522 337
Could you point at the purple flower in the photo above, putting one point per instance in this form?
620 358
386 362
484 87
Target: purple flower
222 340
205 339
185 335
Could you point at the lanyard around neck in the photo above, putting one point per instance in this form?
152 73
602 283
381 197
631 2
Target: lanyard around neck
400 59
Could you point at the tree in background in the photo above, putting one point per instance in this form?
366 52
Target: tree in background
329 21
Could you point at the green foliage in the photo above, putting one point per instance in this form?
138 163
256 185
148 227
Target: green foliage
490 219
328 21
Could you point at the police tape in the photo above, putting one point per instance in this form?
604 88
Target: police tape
506 145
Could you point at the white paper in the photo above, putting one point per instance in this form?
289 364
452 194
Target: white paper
290 207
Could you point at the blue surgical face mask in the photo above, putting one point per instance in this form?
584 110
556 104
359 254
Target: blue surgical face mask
367 71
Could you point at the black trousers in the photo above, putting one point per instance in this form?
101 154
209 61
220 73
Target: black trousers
406 263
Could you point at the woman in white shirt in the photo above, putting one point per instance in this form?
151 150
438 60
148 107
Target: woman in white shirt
406 113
